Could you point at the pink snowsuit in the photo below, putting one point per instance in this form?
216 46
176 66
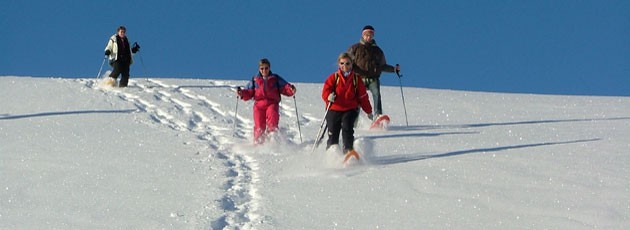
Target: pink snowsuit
266 94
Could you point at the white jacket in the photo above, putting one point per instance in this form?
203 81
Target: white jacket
112 46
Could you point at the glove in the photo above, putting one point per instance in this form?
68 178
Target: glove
293 89
135 48
107 52
370 116
239 92
331 97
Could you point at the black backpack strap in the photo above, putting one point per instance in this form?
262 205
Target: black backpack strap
335 82
354 81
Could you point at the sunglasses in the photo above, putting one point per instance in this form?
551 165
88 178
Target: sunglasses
344 63
264 68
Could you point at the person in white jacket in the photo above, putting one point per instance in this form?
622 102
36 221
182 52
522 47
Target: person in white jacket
120 56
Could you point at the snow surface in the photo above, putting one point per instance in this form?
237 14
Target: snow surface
173 154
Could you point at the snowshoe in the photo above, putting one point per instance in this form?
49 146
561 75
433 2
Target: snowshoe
381 122
351 157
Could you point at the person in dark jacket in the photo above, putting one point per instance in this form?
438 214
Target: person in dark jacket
369 61
265 88
120 56
344 93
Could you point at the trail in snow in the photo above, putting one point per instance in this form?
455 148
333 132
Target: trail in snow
182 108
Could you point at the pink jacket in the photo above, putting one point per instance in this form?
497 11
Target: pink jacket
267 90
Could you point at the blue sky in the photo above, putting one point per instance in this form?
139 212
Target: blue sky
547 47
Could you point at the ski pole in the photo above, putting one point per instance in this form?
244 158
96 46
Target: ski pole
318 141
297 118
401 93
322 129
137 50
101 69
235 114
144 69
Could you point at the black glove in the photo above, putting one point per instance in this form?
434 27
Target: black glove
107 52
135 48
293 89
239 92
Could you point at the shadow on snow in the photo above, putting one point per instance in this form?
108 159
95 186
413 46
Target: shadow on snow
395 159
430 127
397 135
402 158
9 117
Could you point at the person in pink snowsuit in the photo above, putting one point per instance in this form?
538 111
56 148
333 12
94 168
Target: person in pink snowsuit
265 88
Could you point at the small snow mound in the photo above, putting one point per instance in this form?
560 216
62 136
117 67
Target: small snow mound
104 81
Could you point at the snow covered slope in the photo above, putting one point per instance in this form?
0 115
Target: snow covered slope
177 154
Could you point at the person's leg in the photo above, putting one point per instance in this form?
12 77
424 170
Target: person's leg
347 129
376 93
373 85
116 70
273 117
259 123
125 75
333 122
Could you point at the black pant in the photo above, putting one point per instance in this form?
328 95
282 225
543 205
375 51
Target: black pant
341 121
121 67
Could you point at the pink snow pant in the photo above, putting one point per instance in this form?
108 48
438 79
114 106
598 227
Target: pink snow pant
266 118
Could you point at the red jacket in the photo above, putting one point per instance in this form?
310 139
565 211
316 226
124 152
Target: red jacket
267 90
346 98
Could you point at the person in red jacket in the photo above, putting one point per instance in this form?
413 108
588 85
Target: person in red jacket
344 92
265 88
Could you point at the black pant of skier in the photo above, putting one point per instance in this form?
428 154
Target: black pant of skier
121 67
341 121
